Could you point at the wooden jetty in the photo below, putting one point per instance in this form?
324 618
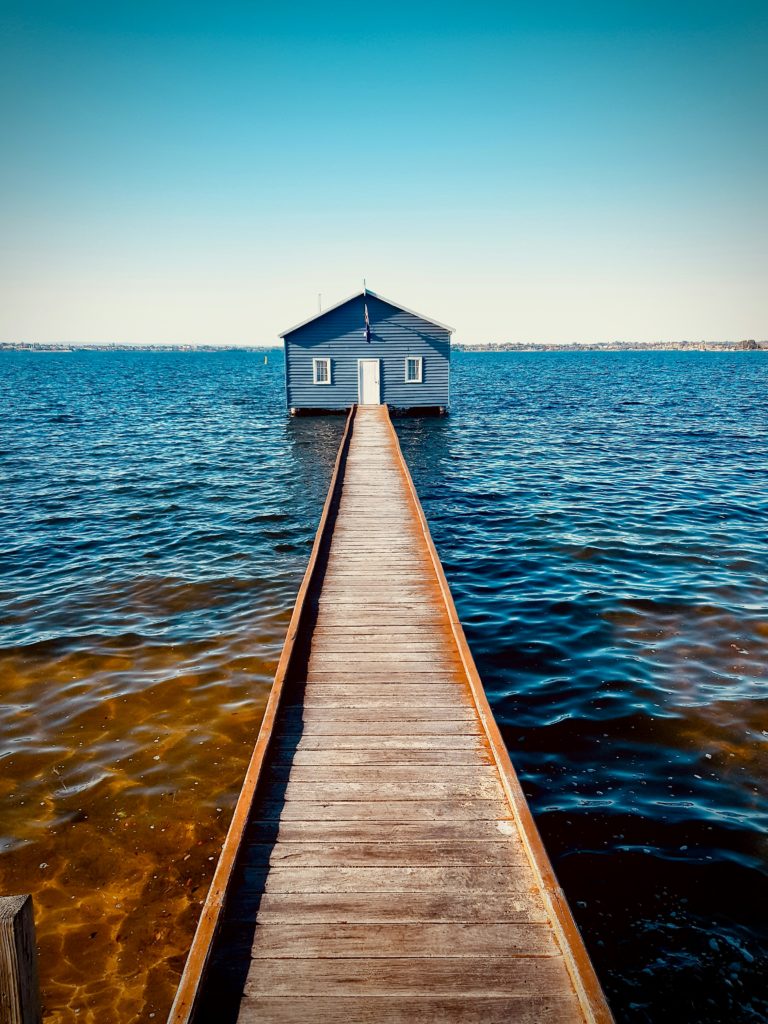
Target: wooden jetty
382 863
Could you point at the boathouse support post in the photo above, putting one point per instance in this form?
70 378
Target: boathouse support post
19 986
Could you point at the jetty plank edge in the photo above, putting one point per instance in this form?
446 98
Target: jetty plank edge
382 863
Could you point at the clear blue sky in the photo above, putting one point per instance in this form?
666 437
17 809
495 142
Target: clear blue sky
564 171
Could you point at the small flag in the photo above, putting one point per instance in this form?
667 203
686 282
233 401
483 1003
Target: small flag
367 324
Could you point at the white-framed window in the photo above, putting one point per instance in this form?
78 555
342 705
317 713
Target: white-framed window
321 371
413 369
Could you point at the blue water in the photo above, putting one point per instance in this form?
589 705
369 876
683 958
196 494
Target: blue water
601 518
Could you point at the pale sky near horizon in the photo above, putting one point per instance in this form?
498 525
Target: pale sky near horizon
546 172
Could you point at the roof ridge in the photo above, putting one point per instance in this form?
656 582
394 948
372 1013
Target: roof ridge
362 294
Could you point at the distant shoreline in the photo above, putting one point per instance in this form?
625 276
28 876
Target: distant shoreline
623 346
615 346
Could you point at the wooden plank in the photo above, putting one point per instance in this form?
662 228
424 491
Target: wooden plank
383 662
349 566
395 581
370 791
333 617
353 657
413 609
364 549
377 854
330 616
396 650
373 698
343 571
401 713
375 630
422 688
387 758
417 585
286 740
410 545
412 775
411 726
387 525
343 907
458 939
376 694
452 976
491 832
344 556
457 878
349 569
382 671
368 680
410 675
442 684
367 645
410 612
375 609
386 593
357 648
385 811
525 1008
370 550
379 538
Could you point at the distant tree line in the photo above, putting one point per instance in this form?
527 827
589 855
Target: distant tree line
749 345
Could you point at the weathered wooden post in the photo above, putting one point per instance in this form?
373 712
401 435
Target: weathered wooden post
19 987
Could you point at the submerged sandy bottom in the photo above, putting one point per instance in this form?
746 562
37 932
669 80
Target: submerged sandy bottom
117 795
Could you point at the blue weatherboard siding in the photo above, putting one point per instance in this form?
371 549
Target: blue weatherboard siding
340 335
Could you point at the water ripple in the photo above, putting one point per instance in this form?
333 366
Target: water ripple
158 513
601 520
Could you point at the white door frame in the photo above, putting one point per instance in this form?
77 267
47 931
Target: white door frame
360 381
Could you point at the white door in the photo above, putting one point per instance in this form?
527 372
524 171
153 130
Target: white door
369 390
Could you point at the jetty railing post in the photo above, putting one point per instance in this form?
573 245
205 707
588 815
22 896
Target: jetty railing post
19 986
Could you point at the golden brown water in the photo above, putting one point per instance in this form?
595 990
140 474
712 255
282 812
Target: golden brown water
118 798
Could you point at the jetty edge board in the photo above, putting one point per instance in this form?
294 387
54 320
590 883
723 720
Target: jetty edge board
382 863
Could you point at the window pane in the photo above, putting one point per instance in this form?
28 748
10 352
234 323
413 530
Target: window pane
322 371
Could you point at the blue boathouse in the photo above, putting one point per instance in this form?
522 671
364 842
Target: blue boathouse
369 350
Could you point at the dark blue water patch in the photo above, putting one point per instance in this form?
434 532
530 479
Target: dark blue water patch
701 960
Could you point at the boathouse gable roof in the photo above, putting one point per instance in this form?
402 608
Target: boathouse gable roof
367 293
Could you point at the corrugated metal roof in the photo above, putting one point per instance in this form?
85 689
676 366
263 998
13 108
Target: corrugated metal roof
367 291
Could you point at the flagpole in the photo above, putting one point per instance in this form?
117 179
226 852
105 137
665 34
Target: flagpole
366 321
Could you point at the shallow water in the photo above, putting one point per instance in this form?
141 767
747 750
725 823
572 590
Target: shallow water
601 518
